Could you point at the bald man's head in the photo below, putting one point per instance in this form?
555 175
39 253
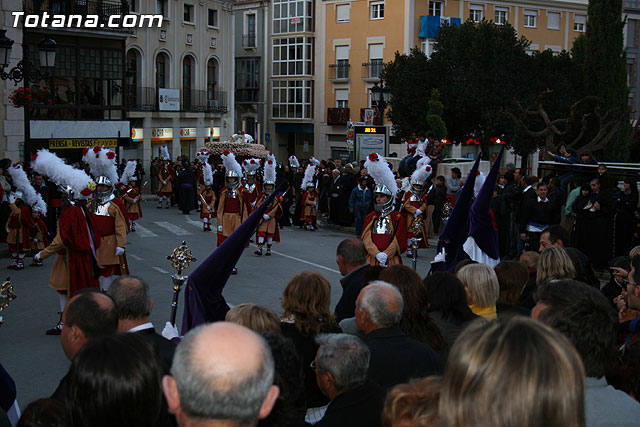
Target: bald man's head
222 371
382 302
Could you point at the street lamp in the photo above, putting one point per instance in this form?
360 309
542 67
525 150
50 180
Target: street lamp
47 53
380 96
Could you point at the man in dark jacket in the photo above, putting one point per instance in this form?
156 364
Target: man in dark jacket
395 358
359 202
341 366
537 214
352 261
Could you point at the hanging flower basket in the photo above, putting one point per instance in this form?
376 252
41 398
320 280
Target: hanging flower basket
44 96
21 97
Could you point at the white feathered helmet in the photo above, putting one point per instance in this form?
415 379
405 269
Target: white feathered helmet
75 182
202 155
164 153
251 166
307 180
381 173
207 173
269 174
26 191
128 174
232 168
293 162
420 175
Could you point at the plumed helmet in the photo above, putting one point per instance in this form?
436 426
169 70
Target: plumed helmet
420 175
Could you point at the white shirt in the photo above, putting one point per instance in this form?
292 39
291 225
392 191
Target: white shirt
142 327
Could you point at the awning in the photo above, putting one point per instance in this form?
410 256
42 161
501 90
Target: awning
430 25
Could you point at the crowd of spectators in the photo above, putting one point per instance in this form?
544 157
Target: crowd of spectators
527 343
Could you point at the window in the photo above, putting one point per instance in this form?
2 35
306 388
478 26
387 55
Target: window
375 60
530 17
160 8
212 80
377 10
292 56
292 16
187 69
250 30
342 62
162 67
553 20
579 22
292 99
212 17
435 8
247 79
428 47
501 15
188 13
342 13
342 98
475 13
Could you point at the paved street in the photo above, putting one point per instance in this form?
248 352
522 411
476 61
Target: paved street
37 362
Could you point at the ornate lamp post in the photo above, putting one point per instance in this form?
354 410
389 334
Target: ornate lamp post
380 96
47 53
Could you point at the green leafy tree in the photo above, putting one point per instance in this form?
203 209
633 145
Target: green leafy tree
436 128
407 75
605 68
478 68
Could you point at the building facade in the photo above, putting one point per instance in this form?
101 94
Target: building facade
252 59
179 78
291 78
355 38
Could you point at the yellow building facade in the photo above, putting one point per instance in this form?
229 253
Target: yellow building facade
354 38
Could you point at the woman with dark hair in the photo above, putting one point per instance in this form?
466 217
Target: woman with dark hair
306 301
115 381
415 320
448 305
626 202
512 277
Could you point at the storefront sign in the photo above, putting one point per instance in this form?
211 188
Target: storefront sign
58 144
161 134
137 134
216 134
188 133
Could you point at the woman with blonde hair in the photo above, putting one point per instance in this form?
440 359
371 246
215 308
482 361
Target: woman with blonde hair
306 301
413 404
512 373
254 317
482 288
554 264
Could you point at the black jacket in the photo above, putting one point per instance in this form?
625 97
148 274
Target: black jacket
360 407
352 284
396 358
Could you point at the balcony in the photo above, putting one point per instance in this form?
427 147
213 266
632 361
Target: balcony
102 8
371 70
249 41
146 99
337 116
339 73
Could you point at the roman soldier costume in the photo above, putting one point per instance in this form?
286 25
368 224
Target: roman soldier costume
252 186
268 228
414 208
207 198
309 199
384 231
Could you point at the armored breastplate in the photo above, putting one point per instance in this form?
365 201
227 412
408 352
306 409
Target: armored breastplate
414 198
250 188
103 209
382 225
232 194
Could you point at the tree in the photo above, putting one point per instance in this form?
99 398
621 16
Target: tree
604 62
410 85
436 128
478 68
